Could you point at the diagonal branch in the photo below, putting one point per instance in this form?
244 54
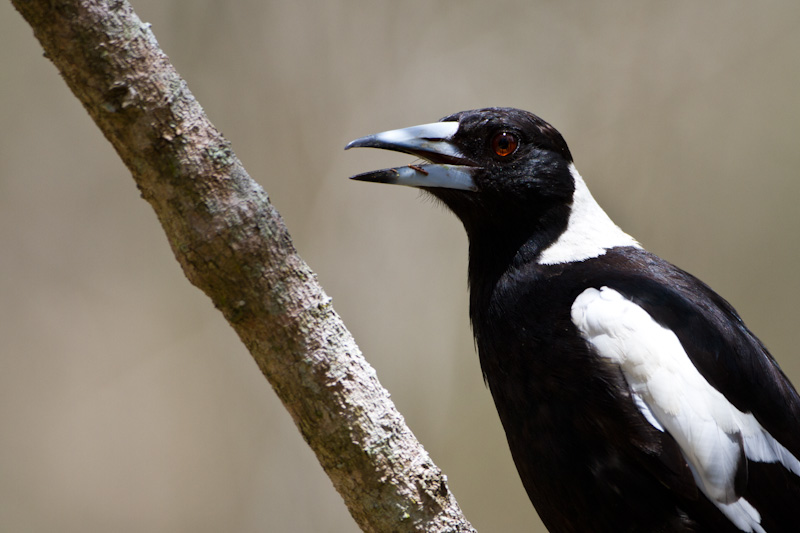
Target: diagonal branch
233 245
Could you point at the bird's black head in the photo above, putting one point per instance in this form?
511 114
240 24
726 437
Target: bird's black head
504 172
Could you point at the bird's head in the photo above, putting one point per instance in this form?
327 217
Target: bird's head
502 171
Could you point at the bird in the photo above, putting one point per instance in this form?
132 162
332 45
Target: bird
633 397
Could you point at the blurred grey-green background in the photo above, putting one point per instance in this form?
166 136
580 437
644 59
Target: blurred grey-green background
127 403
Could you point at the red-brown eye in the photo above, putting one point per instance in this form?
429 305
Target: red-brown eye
504 144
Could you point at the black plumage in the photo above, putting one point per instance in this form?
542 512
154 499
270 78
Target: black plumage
625 385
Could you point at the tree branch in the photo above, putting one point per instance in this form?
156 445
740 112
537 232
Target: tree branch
234 246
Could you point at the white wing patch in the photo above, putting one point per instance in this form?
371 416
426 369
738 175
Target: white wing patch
673 396
590 232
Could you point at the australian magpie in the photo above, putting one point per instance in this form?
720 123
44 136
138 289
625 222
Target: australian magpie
633 396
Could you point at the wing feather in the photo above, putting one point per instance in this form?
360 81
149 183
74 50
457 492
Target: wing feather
715 437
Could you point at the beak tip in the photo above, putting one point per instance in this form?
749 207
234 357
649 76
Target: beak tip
361 142
388 175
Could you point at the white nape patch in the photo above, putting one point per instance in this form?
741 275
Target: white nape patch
590 232
673 396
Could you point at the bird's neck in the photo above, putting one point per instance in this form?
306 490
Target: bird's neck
498 252
589 231
540 236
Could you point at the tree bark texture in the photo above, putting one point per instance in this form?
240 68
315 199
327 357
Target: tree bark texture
234 246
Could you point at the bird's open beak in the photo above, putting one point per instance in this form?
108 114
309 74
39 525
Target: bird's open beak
448 168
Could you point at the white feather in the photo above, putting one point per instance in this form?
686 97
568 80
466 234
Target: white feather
645 410
590 232
673 396
743 515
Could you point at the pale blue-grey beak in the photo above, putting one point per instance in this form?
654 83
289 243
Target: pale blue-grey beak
448 168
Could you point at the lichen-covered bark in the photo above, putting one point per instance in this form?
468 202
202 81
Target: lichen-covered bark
233 245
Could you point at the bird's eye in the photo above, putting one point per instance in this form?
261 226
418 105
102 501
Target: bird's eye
504 144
